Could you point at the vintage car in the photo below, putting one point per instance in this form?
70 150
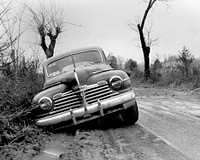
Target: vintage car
81 86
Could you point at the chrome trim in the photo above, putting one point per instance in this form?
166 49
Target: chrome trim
91 108
126 79
103 70
45 98
111 79
115 77
72 116
100 108
102 82
76 77
49 99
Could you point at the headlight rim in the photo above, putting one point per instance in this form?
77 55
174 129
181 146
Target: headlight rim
49 107
119 78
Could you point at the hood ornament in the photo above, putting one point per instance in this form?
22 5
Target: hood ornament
76 77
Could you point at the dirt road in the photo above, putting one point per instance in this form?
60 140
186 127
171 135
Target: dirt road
168 129
176 120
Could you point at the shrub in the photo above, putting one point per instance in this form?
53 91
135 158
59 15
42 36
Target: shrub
17 130
137 77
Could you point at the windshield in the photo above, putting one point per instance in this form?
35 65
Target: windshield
66 64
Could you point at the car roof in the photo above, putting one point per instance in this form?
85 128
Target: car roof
49 60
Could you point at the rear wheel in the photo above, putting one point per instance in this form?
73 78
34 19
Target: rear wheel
130 115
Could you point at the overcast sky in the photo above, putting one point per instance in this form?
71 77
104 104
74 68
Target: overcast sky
105 25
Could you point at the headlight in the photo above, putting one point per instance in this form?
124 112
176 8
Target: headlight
45 103
116 82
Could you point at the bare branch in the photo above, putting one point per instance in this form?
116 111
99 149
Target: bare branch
150 5
133 26
149 40
5 8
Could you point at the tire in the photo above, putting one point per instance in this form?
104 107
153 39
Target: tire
131 115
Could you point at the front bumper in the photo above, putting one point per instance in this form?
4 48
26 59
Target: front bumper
127 99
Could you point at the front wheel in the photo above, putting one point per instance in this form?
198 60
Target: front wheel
130 115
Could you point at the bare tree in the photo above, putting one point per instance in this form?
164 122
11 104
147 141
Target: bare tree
146 42
48 23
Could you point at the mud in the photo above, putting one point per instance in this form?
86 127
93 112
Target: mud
102 141
123 143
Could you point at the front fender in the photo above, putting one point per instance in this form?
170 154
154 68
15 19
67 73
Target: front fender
107 75
50 92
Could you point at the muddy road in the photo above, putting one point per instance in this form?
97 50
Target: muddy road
168 129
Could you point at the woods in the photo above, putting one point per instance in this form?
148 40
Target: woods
177 70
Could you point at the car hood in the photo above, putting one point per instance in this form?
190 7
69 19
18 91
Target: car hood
83 73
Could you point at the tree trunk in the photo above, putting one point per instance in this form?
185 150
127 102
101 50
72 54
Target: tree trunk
146 52
49 51
146 62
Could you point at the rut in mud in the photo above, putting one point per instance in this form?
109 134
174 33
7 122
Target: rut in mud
115 141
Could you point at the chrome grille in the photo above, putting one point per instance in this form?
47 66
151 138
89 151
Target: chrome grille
71 99
99 93
68 100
